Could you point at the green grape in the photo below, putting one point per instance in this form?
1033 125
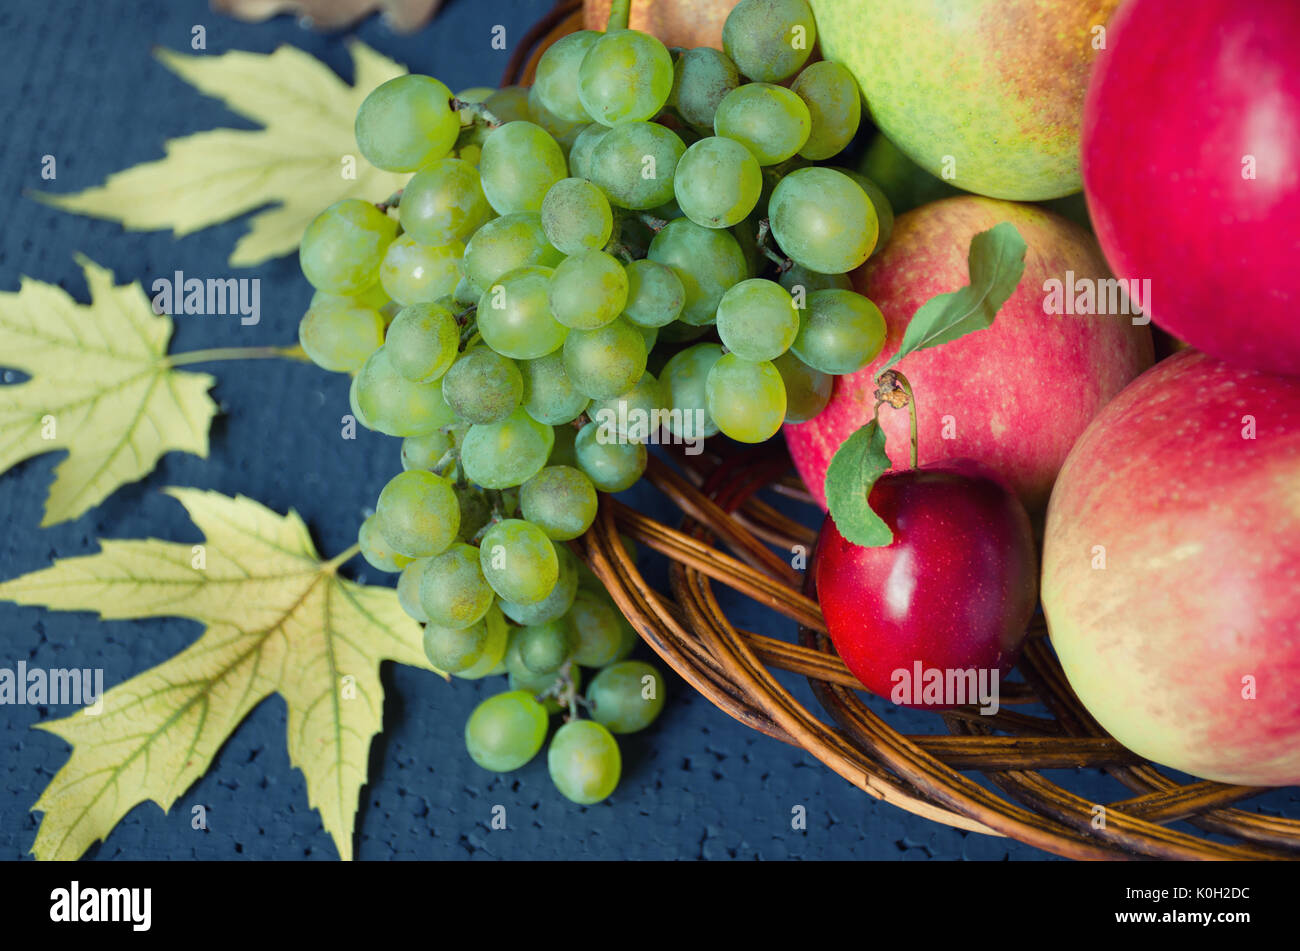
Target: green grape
422 341
823 220
414 273
425 452
612 466
746 399
627 696
515 318
807 391
770 121
338 334
605 362
563 131
417 513
453 591
520 678
509 104
444 202
684 379
354 406
561 501
554 605
769 40
475 512
377 551
508 453
879 201
556 82
407 123
701 77
483 386
598 629
544 647
633 415
584 762
455 649
506 731
466 294
576 216
494 652
634 164
506 243
841 332
800 281
514 661
583 145
549 397
564 454
757 319
588 290
342 248
626 76
655 295
628 644
649 334
396 406
718 182
408 589
831 94
519 561
706 260
520 162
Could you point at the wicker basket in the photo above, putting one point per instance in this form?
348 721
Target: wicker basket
729 536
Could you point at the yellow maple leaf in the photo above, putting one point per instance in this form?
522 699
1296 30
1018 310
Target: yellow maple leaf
279 620
301 160
102 387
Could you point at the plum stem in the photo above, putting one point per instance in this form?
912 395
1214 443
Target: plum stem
893 388
620 13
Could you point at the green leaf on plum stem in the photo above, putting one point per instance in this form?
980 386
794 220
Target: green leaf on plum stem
997 261
857 464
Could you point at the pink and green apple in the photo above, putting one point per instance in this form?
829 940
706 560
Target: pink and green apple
1191 162
986 94
1171 570
1013 397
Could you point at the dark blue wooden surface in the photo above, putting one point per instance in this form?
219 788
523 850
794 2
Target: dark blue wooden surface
80 84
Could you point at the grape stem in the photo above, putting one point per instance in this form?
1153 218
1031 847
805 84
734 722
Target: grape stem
392 201
783 264
627 253
293 352
654 224
480 111
893 388
448 457
468 333
620 13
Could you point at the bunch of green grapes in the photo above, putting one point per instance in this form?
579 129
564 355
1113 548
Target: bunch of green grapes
646 246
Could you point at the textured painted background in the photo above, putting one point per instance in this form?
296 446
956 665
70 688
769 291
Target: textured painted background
79 83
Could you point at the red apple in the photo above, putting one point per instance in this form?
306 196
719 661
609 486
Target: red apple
1171 570
953 592
1191 163
1013 397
